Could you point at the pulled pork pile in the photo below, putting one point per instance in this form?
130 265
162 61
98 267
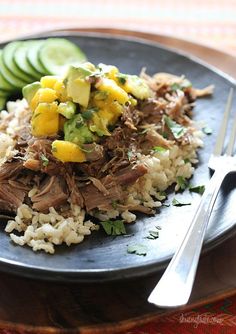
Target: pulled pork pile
112 164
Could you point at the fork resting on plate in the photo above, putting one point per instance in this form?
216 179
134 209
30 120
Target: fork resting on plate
175 286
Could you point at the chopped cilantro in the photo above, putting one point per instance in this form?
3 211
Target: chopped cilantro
153 235
115 227
44 160
88 113
158 149
175 202
165 135
101 95
186 160
121 78
114 204
182 182
197 189
176 129
175 86
79 123
137 249
207 130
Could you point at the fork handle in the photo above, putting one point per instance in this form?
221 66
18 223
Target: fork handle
175 286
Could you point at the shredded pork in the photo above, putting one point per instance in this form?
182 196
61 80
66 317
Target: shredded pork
112 164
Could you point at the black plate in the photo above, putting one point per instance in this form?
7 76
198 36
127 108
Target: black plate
101 257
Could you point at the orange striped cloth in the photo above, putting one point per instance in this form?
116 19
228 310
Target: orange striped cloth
209 22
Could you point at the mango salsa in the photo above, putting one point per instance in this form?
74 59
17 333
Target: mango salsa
82 106
66 151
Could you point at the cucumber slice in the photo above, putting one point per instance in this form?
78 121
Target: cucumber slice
4 93
57 53
8 60
10 77
4 84
33 58
21 62
3 101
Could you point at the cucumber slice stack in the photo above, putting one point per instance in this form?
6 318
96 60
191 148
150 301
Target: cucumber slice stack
23 62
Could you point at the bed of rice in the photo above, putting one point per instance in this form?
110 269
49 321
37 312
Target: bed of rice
43 231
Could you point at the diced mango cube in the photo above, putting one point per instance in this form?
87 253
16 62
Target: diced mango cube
60 88
66 151
110 71
110 112
113 70
45 120
114 91
43 95
49 81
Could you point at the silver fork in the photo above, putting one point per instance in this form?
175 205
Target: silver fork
175 286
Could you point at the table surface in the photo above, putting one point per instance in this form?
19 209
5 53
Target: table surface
33 306
208 22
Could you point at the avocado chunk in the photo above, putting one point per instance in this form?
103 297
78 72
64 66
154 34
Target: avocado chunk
30 90
78 88
134 85
67 109
77 131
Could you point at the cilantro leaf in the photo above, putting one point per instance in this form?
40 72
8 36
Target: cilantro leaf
44 160
114 204
207 130
197 189
175 202
153 235
158 149
182 182
121 78
115 227
137 249
175 86
165 135
177 130
88 113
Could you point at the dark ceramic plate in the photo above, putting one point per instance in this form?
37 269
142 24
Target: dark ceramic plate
101 257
